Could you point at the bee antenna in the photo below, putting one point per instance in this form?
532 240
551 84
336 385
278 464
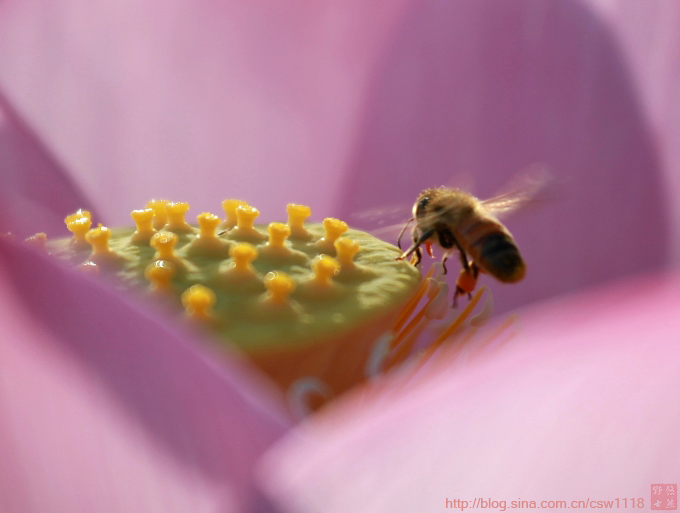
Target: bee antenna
402 232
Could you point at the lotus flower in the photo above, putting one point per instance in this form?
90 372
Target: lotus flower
346 107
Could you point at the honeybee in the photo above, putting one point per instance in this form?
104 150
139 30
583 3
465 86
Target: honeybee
456 220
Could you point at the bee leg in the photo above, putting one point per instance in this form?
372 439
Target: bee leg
428 247
419 256
418 252
466 283
446 256
463 259
415 247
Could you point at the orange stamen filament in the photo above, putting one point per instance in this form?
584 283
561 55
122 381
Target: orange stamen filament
495 335
459 320
434 308
413 302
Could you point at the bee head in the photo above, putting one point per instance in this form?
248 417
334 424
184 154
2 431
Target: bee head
420 206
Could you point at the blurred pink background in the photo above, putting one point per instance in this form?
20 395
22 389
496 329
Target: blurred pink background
352 106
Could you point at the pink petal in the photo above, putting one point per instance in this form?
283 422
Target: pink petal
36 193
648 36
582 403
105 408
196 101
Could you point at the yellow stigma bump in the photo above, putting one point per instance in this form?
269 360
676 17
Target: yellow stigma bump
98 238
346 249
198 301
230 206
241 269
144 221
164 243
278 233
276 246
78 215
324 268
176 222
160 216
297 214
207 242
334 229
207 224
279 288
159 273
37 241
245 220
79 224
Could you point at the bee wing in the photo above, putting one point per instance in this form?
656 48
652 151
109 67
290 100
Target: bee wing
531 190
384 222
390 218
383 216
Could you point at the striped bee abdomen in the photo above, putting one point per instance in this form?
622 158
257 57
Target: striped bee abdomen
499 256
